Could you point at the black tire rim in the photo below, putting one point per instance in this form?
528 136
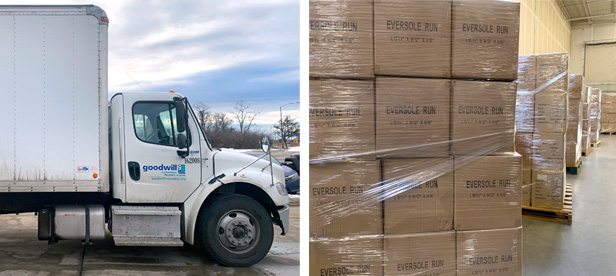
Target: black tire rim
238 231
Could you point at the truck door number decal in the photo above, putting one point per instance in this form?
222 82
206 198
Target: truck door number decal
192 160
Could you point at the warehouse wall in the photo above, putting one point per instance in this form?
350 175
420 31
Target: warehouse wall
543 28
588 34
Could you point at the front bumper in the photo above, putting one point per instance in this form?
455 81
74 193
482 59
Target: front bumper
281 218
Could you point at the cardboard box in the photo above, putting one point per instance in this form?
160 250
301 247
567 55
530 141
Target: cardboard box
585 111
341 39
485 39
524 146
595 95
576 86
548 151
548 189
421 254
525 111
574 153
412 38
487 192
585 126
527 73
345 200
353 256
342 119
412 117
483 117
527 180
425 201
585 143
490 252
551 111
548 146
552 72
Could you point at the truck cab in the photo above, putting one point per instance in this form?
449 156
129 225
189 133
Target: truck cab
160 154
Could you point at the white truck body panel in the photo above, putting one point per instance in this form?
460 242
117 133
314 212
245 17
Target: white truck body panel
53 72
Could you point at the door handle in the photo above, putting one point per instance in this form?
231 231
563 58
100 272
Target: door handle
134 171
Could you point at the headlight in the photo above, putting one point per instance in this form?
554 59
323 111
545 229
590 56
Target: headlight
282 190
291 177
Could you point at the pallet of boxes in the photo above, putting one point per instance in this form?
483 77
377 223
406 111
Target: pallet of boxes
586 148
541 121
608 113
411 133
577 91
595 117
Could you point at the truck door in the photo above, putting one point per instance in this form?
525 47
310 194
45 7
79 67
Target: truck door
155 171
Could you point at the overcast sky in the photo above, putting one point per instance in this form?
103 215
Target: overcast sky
214 51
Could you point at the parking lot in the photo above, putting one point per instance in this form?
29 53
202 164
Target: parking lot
22 254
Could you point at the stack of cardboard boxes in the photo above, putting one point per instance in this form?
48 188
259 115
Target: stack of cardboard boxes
541 121
576 93
608 113
411 165
595 115
586 121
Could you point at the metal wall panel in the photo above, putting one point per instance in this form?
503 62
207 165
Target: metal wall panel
54 137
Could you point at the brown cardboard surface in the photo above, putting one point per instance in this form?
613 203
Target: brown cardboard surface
426 203
487 192
483 117
548 146
524 146
527 71
412 117
485 39
576 86
490 252
527 180
354 256
344 199
552 72
525 111
341 39
551 111
574 153
412 38
548 189
421 254
342 119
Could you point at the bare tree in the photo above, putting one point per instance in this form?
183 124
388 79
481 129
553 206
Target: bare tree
244 116
221 122
287 128
204 115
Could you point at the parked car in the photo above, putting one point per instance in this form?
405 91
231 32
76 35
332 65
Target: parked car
291 176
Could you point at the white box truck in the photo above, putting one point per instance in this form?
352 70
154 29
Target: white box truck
137 164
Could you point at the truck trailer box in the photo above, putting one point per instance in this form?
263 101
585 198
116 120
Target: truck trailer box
54 59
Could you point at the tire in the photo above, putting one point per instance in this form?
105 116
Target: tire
236 230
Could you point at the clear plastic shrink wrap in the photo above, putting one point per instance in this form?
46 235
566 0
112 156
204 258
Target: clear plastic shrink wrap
413 172
586 121
574 126
595 115
542 122
608 113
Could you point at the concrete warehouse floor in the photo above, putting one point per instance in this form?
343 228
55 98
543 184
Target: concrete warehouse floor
588 246
22 254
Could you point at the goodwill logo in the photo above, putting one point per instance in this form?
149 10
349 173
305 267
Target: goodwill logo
169 172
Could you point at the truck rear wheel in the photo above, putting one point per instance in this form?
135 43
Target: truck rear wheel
236 230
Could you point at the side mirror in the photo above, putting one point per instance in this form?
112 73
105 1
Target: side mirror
180 113
182 141
265 145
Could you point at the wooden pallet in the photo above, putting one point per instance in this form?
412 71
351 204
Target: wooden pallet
594 145
564 216
586 152
576 169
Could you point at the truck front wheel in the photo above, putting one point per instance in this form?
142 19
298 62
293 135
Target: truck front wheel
236 230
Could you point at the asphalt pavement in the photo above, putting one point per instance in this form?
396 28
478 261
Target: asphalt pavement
22 254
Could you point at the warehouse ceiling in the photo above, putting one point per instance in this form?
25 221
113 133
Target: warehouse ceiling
589 11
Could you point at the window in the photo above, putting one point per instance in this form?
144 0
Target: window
155 122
